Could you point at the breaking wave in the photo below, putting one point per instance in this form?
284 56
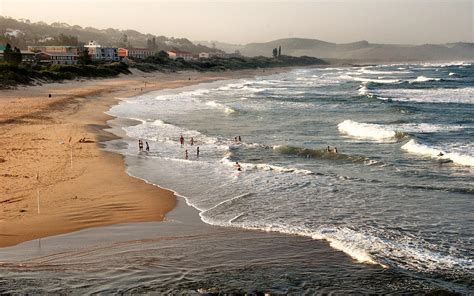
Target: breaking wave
420 149
368 131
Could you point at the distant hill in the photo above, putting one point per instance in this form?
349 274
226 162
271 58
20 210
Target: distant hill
22 33
360 51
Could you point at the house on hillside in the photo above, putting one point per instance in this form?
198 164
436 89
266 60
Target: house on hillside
100 53
26 56
56 58
204 55
175 54
137 53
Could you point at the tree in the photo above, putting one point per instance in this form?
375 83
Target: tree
153 44
275 52
279 51
84 57
12 56
124 41
163 54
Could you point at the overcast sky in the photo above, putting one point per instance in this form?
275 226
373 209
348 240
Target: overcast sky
381 21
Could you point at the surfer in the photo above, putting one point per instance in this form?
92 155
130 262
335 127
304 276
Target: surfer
181 140
440 154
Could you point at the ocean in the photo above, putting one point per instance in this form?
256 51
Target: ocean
398 193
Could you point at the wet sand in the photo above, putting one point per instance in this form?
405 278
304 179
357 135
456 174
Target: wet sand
183 255
79 184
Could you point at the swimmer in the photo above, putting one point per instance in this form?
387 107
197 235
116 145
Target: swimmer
237 166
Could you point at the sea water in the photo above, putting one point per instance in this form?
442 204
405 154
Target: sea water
398 193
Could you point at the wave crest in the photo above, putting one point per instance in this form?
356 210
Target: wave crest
420 149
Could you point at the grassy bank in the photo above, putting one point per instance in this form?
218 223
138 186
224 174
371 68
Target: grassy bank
157 63
12 75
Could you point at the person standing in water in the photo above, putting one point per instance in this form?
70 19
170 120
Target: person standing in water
240 139
181 140
191 142
140 145
186 154
197 152
237 166
147 148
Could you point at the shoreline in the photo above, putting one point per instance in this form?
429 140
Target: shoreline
37 134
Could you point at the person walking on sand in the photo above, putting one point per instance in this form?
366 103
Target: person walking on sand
197 152
186 154
191 142
181 140
147 147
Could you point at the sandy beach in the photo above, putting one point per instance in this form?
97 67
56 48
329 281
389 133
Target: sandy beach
50 147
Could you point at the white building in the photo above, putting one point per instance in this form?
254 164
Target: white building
97 52
175 54
204 55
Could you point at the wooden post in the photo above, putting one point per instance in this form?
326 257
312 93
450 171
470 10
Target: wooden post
38 192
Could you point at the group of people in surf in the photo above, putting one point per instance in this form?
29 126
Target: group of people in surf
191 143
329 150
140 145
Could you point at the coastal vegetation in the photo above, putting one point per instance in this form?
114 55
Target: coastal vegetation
160 63
12 74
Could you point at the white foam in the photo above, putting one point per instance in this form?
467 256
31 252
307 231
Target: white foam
366 131
216 105
420 149
426 127
433 95
424 79
382 81
378 72
264 167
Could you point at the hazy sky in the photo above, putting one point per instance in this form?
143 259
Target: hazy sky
383 21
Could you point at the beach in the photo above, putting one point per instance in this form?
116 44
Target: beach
51 182
383 214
